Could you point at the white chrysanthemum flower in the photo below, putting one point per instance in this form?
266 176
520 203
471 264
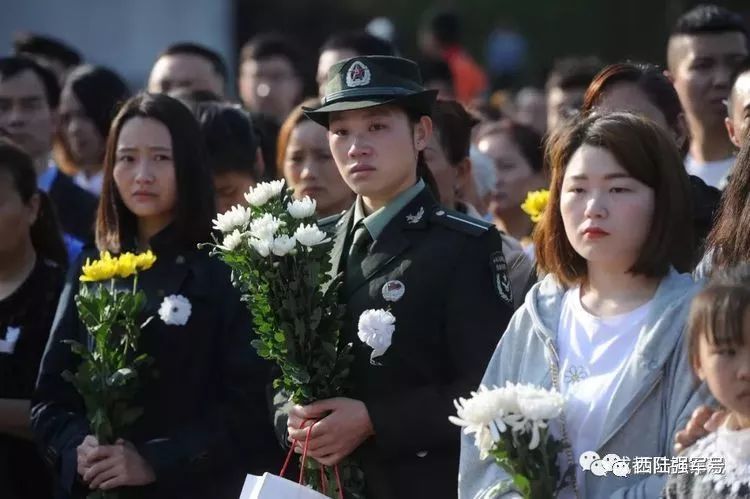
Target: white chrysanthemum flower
258 195
536 406
484 408
507 398
236 217
263 192
282 245
231 241
275 187
376 330
302 208
484 442
265 227
261 246
540 405
310 235
175 310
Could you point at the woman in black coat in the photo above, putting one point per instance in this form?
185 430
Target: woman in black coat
32 260
205 421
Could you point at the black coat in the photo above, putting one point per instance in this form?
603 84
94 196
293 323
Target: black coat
75 207
205 422
455 307
31 308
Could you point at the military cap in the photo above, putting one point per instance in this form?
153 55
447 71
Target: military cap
367 81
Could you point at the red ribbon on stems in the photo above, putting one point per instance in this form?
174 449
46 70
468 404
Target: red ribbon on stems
323 479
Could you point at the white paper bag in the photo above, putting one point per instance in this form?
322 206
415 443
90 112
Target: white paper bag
271 486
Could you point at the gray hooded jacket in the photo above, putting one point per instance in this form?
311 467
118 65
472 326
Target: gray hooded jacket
654 399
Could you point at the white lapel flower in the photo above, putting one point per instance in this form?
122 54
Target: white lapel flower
265 227
236 217
262 246
376 330
261 193
175 310
310 235
302 208
231 241
282 245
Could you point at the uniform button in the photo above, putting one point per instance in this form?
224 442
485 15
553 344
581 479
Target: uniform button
180 259
51 456
422 453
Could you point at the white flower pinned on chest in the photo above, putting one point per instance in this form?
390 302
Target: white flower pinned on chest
375 329
175 310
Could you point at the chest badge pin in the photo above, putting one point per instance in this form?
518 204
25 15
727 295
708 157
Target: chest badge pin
393 291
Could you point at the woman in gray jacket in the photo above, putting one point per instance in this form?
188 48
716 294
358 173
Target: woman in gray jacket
605 327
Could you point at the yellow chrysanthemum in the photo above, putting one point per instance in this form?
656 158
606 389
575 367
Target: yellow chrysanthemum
536 202
99 270
126 265
144 261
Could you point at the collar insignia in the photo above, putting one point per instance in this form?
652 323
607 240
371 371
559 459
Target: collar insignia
414 219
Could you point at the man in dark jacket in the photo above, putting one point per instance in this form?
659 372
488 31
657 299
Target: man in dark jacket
29 96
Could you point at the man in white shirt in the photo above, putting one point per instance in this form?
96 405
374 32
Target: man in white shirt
705 47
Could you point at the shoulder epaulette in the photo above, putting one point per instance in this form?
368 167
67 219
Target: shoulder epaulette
329 223
456 220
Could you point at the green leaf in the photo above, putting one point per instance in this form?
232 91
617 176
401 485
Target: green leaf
121 377
523 484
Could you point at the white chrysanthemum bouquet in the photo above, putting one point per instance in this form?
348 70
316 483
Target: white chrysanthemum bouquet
280 261
511 424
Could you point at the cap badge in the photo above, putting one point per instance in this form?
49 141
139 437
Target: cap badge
358 75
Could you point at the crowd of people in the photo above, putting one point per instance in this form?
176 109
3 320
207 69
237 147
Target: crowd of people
628 292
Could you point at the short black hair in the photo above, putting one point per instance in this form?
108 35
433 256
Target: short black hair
453 125
229 136
573 72
193 98
742 68
100 91
33 44
708 18
435 69
201 51
266 45
358 41
11 66
445 26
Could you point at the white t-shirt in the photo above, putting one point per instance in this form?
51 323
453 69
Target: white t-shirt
593 353
713 173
